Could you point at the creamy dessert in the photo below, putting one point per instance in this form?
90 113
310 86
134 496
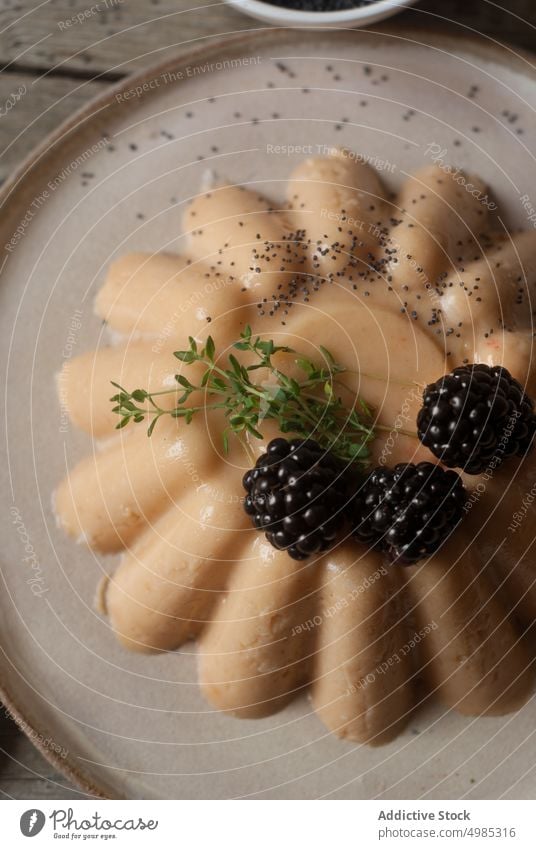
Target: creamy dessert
378 298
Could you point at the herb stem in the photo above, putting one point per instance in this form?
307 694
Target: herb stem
306 407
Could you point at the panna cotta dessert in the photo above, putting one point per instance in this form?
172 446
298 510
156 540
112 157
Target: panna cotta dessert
325 431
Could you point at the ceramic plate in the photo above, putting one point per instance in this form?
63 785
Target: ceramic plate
115 179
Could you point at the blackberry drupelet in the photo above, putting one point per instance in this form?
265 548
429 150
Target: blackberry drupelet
297 494
474 415
408 511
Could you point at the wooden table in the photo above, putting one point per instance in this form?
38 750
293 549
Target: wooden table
56 55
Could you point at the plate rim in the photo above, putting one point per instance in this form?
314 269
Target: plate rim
482 47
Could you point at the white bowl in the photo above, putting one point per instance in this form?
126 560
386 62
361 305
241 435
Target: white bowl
361 16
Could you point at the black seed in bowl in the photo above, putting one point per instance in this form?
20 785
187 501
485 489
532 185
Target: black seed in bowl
320 5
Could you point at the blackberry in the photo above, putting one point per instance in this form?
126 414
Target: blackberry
408 511
297 494
474 415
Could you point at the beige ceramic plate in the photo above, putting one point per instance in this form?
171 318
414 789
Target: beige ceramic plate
115 179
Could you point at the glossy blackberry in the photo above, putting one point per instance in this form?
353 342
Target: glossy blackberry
475 415
408 511
297 494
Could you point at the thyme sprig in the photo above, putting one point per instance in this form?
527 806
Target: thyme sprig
309 408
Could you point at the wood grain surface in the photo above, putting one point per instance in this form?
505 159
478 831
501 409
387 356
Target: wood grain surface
57 54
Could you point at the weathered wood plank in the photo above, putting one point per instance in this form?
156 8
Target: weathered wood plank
99 36
118 36
513 21
35 788
31 107
24 772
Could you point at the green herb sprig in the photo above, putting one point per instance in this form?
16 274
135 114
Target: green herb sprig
307 408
